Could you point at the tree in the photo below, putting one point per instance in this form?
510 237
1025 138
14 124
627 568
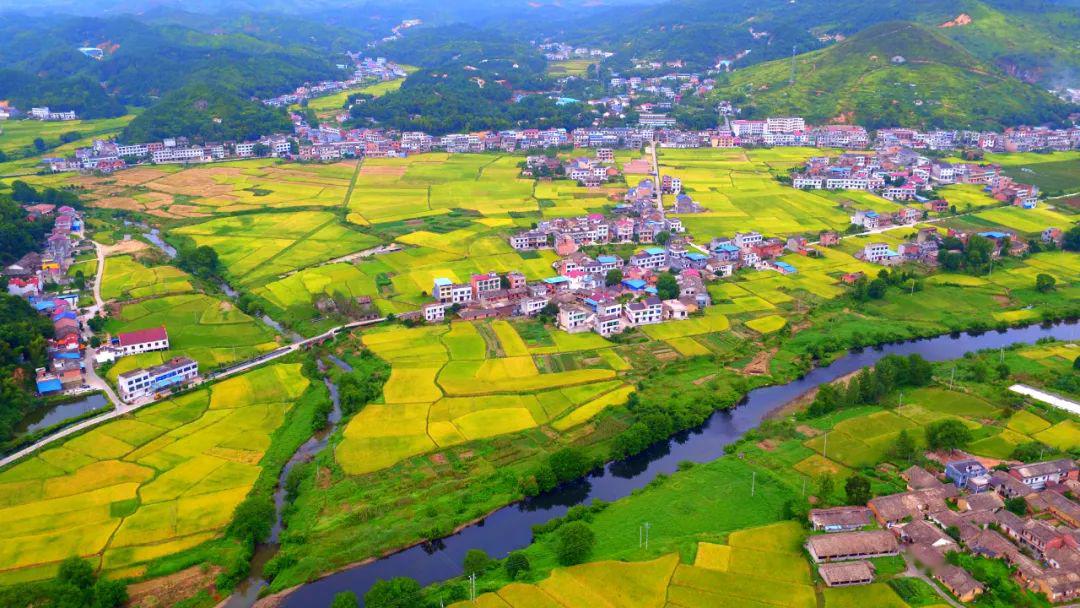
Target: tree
253 519
399 592
21 192
667 287
857 489
569 463
1071 240
613 277
574 543
876 289
476 561
1029 451
1044 282
1017 505
662 237
77 572
949 434
109 594
40 145
825 487
903 449
516 564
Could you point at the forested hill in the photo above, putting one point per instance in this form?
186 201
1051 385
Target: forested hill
468 83
893 74
206 113
1033 39
141 62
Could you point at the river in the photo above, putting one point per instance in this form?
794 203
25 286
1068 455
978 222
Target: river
510 527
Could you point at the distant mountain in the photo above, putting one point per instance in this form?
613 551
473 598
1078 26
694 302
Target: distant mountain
1032 39
892 74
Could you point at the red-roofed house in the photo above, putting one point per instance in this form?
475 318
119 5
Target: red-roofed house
141 341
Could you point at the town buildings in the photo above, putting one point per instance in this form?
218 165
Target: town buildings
140 383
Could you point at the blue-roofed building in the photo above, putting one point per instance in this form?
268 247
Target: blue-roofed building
634 284
48 384
785 268
968 474
651 290
556 280
67 356
995 235
443 281
654 250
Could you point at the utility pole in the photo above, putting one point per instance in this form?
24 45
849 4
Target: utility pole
952 377
753 483
472 586
825 450
647 525
901 402
803 487
792 81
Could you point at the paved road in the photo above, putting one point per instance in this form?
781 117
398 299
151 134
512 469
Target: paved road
1048 398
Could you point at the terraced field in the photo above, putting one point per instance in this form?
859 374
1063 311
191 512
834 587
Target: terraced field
453 384
209 330
155 483
127 279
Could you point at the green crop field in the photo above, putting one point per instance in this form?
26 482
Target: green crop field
209 330
18 135
260 247
154 483
127 279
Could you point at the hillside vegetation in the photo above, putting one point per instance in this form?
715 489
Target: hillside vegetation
893 74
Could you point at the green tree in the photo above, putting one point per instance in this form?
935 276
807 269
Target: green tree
569 464
826 486
345 599
1017 505
77 572
948 434
857 489
476 561
613 277
876 289
399 592
253 519
667 286
903 448
516 564
1071 240
574 543
662 237
1044 282
1030 451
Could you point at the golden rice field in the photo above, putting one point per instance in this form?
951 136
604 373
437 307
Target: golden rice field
156 482
763 566
446 388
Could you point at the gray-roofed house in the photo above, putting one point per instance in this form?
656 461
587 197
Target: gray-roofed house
959 582
852 545
846 574
840 519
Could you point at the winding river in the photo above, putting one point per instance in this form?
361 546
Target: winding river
509 528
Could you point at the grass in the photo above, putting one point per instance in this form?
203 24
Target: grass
157 482
16 135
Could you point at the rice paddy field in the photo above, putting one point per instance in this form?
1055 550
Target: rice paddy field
16 135
209 330
451 384
1055 172
157 482
264 246
127 279
175 192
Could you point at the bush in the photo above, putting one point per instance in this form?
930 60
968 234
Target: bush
399 592
949 434
516 564
574 543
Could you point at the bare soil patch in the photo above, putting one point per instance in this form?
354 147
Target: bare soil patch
807 431
759 365
171 589
703 379
124 247
384 170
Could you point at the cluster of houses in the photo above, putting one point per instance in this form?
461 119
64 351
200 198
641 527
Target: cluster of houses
560 51
904 175
8 112
145 382
1017 139
39 278
106 155
589 172
366 69
962 510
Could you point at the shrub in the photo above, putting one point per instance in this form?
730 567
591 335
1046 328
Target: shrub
476 561
516 564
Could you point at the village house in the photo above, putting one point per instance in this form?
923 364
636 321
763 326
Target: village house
846 574
140 341
1038 475
969 474
959 582
139 383
843 546
840 519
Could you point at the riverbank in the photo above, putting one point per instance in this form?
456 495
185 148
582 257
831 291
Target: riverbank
509 527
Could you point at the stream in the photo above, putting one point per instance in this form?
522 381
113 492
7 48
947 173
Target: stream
247 592
510 527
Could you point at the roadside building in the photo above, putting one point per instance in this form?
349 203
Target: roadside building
139 383
852 545
141 341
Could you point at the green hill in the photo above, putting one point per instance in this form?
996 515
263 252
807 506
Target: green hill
892 74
